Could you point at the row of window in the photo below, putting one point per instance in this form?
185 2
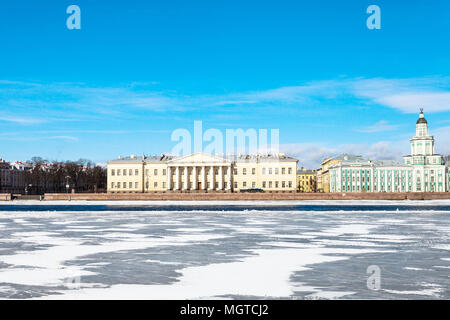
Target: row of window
265 171
135 185
130 172
124 185
129 185
276 184
375 188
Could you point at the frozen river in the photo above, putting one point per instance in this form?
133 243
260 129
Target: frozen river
223 250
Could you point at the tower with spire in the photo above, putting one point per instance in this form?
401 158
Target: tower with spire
428 167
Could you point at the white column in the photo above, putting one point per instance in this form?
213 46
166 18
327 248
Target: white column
221 178
169 178
186 178
385 180
393 181
407 181
229 178
211 177
194 182
177 178
203 178
371 179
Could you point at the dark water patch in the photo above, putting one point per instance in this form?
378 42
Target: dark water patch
215 208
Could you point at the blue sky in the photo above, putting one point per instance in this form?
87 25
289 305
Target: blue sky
137 70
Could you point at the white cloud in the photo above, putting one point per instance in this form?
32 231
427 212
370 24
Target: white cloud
380 126
68 101
311 155
410 101
406 95
442 138
20 120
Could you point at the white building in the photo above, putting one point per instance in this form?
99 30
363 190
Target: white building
429 171
422 171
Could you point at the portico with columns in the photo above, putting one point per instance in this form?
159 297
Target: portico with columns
198 172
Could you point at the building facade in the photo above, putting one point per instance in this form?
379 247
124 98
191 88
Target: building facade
13 176
421 171
306 180
323 175
429 170
201 172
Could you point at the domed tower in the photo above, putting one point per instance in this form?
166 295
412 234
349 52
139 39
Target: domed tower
428 170
422 144
421 125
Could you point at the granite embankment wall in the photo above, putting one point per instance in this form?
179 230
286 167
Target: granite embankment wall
246 196
5 197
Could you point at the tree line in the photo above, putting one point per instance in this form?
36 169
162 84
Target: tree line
66 176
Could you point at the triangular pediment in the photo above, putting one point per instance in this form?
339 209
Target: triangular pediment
199 158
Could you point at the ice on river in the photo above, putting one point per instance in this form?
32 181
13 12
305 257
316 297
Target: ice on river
217 251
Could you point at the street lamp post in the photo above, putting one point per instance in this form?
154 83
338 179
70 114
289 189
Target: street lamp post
67 184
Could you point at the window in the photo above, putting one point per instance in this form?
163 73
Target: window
270 184
112 185
130 185
130 172
124 172
164 185
118 185
136 185
289 170
124 185
235 185
290 184
264 184
283 184
217 185
216 171
244 184
164 172
263 170
253 184
276 184
253 170
276 170
244 171
155 184
235 171
113 172
283 170
118 172
136 172
270 170
155 172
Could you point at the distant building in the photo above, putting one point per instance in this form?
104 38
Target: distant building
422 171
323 174
306 180
197 172
13 176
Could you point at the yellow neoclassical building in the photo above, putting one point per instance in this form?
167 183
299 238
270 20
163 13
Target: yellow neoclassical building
202 172
306 180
